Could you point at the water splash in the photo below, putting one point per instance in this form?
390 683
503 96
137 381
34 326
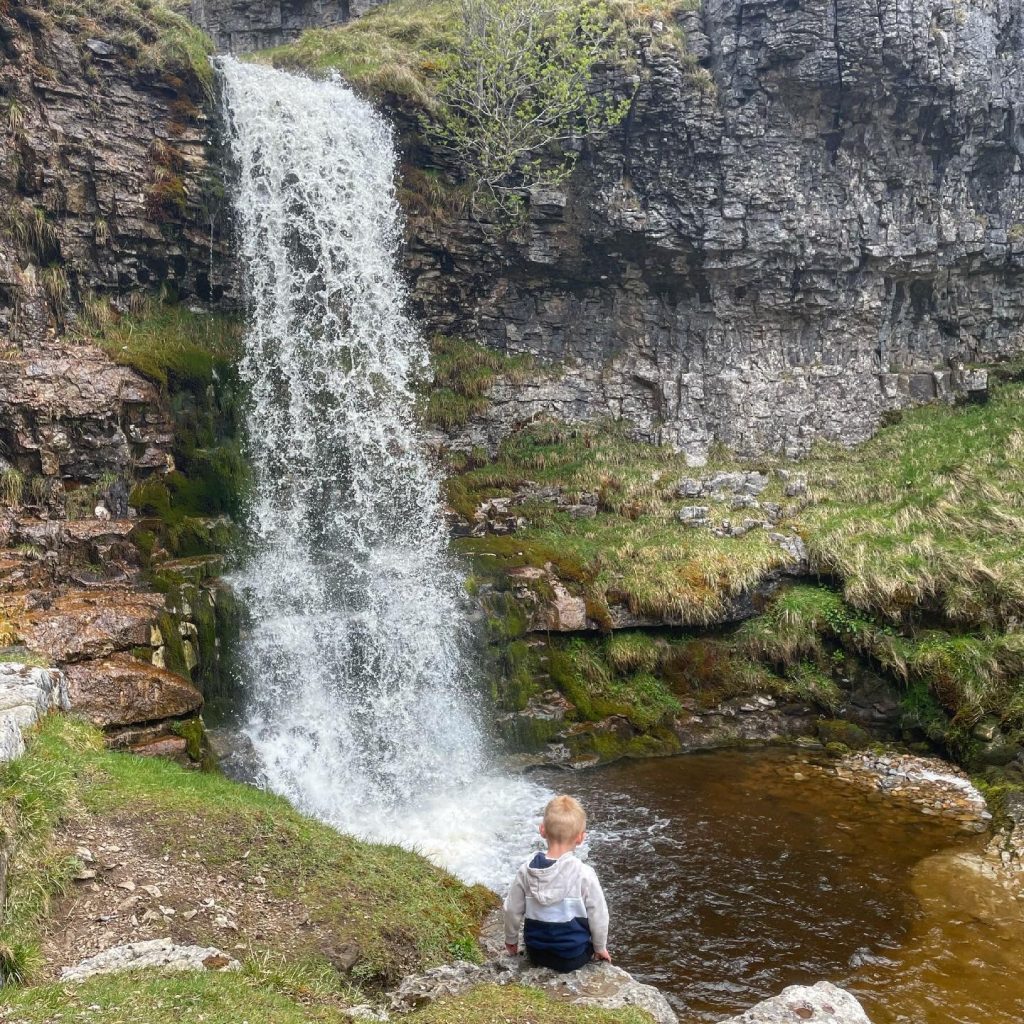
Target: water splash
361 710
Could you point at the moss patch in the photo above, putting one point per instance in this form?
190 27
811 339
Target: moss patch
164 340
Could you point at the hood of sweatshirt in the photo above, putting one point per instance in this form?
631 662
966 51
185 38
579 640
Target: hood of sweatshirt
552 881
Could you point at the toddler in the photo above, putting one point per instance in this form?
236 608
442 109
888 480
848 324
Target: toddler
558 897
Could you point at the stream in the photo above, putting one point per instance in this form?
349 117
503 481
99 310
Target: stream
731 875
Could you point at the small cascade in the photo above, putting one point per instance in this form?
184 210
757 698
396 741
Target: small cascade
360 705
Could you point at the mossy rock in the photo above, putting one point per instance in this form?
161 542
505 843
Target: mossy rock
614 739
846 733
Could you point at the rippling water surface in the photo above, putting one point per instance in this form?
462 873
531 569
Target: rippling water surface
731 875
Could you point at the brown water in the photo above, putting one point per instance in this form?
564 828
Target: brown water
730 876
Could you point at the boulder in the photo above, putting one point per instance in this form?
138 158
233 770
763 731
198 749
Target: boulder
797 1004
598 984
122 690
156 954
26 694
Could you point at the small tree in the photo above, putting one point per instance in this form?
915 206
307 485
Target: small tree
520 96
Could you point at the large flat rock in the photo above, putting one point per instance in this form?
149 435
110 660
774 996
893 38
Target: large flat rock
823 1003
122 690
598 984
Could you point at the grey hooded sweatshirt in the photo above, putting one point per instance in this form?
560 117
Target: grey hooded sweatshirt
562 905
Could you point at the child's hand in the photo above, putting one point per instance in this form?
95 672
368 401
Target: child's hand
603 955
512 949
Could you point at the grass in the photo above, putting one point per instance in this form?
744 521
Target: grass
257 998
403 47
928 515
403 912
918 535
156 34
634 552
165 341
399 49
463 371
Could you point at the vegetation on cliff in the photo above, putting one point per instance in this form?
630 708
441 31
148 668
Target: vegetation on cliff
915 537
510 86
155 33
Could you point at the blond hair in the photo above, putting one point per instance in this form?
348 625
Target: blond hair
564 819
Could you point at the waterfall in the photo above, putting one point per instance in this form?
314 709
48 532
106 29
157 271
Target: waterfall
360 705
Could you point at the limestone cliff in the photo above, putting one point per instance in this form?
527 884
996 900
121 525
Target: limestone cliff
811 219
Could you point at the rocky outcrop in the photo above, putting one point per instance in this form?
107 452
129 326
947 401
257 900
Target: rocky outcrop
70 414
162 955
824 1003
124 691
106 180
809 220
26 694
598 985
237 26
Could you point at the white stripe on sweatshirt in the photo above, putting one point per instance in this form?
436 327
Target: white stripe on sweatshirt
560 892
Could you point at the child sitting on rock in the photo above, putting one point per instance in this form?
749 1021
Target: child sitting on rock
559 897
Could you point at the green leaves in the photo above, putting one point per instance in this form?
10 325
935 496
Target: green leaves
521 97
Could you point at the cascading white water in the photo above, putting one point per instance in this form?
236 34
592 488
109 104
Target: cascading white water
360 706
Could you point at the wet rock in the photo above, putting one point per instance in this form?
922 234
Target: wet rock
565 612
92 624
823 1003
172 748
162 955
122 690
934 786
597 985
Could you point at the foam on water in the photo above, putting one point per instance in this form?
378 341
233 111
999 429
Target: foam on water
361 708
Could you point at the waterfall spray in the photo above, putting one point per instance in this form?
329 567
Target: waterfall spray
360 706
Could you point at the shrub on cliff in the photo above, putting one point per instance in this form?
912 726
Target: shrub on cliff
519 96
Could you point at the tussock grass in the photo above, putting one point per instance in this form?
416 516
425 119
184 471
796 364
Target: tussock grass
463 371
163 340
399 48
402 48
928 515
402 911
634 552
971 674
155 33
922 528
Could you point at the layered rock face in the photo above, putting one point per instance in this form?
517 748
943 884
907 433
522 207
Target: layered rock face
238 26
107 195
106 182
811 220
